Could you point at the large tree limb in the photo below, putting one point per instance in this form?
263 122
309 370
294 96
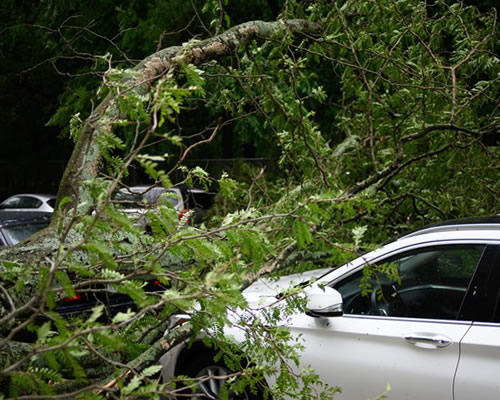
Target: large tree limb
84 161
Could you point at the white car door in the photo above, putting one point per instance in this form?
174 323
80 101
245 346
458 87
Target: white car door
404 334
364 354
478 374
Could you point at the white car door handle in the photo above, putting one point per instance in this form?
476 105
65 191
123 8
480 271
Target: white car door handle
437 340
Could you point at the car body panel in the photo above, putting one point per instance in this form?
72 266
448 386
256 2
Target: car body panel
363 354
265 290
478 373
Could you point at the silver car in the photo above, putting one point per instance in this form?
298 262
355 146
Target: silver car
29 201
189 203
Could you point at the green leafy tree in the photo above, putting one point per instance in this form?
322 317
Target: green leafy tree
381 115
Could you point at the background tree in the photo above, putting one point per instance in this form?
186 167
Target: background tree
370 106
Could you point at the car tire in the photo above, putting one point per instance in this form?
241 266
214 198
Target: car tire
202 368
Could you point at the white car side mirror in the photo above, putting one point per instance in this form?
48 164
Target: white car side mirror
324 302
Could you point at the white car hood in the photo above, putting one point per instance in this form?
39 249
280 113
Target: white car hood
264 290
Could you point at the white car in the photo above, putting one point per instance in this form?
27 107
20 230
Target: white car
433 335
29 201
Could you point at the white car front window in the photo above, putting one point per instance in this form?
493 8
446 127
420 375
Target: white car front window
427 283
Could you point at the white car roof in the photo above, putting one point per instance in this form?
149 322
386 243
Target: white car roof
453 233
40 196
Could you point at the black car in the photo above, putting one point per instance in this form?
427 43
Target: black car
16 226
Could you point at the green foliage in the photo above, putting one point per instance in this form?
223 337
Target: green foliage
372 274
377 124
